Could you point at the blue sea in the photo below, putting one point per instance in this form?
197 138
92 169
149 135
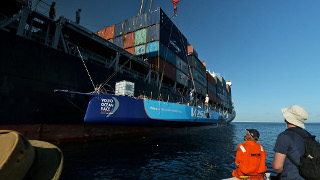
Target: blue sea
187 153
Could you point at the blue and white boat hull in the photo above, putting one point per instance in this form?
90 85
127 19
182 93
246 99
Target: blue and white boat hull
122 110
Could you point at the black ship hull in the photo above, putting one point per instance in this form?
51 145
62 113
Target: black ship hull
29 74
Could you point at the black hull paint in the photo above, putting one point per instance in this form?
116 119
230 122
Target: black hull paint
29 74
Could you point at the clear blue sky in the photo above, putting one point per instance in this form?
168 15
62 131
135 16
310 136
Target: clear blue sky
270 49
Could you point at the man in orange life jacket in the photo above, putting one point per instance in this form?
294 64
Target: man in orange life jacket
250 158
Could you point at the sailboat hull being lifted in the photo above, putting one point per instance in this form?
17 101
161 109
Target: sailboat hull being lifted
130 111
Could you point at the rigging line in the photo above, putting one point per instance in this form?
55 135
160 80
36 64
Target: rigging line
85 67
113 74
110 77
75 105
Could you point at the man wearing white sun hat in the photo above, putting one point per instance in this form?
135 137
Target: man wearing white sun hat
290 144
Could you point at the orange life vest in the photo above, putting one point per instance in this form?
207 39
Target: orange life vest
250 160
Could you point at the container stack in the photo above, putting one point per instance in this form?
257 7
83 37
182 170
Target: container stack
229 98
198 71
222 91
212 88
154 36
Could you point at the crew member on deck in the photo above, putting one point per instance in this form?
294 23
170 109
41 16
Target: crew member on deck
78 16
206 102
191 97
52 12
250 158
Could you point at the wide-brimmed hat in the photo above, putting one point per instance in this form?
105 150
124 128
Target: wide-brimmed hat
295 115
21 158
254 133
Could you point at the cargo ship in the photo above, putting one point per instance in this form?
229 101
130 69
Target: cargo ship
39 55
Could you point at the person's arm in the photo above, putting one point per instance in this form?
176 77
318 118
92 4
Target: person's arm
278 162
238 156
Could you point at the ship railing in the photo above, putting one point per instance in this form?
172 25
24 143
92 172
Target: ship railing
132 73
88 54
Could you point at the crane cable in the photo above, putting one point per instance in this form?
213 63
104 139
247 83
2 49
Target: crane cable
85 67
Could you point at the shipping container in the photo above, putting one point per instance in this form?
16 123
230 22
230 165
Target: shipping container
140 50
130 50
118 41
141 21
182 78
140 37
199 77
200 89
110 40
156 48
154 17
128 40
107 33
213 97
158 16
130 25
191 51
228 89
168 34
101 33
212 88
222 81
153 33
175 43
119 29
195 62
181 65
152 49
219 84
162 66
210 78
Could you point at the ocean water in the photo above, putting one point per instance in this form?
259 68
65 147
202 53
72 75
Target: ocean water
187 153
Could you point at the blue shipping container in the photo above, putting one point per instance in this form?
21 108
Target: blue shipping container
130 25
158 16
156 48
176 44
154 17
141 21
153 33
152 49
119 29
118 41
139 50
140 37
167 54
